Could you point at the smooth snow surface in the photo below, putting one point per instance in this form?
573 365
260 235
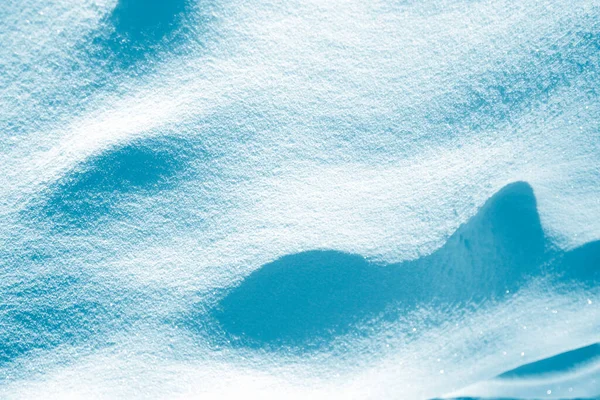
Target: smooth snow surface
300 199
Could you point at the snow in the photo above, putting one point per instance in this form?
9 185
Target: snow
160 163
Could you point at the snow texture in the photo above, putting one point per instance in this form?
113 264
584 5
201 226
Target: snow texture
304 199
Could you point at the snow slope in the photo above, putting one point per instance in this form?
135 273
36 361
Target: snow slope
309 199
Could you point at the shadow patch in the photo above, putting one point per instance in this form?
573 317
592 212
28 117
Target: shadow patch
305 300
94 188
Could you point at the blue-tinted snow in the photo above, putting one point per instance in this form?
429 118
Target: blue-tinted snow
300 199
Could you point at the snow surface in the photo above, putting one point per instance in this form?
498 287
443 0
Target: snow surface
302 199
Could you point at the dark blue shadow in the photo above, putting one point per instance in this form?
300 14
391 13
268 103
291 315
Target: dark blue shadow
580 265
305 300
493 252
306 296
147 21
137 29
130 41
94 188
561 362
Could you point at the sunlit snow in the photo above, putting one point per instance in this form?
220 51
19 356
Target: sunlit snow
303 199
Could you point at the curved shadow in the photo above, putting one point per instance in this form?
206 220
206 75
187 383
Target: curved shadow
138 28
298 297
94 188
493 252
581 265
568 374
146 21
305 300
561 362
43 304
129 42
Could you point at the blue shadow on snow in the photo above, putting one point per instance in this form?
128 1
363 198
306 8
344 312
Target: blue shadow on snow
305 300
